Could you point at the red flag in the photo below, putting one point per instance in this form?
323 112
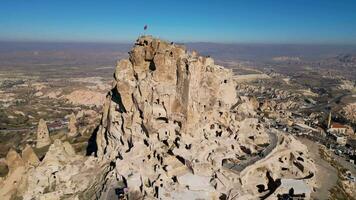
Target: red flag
145 27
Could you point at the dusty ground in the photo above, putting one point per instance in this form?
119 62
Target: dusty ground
347 165
326 176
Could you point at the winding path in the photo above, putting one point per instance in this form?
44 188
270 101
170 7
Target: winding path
238 167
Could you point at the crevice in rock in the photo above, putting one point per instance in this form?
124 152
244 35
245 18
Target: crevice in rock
144 129
152 66
181 159
116 97
92 147
165 119
130 144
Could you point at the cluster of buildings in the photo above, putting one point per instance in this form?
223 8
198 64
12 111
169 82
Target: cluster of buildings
339 137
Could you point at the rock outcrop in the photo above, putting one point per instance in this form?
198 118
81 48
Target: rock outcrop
43 138
85 97
72 127
172 127
60 175
162 85
171 120
29 156
14 177
349 112
168 114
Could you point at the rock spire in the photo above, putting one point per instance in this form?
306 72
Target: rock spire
43 138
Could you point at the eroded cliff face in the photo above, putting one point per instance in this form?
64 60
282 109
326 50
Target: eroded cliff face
170 122
164 106
172 128
163 89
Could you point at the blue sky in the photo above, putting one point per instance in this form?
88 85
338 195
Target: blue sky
248 21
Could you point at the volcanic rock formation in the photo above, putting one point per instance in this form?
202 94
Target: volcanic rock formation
172 128
43 138
73 131
170 122
167 116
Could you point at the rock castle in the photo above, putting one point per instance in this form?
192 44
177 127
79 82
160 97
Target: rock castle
172 128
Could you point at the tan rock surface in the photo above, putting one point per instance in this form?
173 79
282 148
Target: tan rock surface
85 97
169 123
172 118
350 112
9 186
43 138
60 174
72 127
29 156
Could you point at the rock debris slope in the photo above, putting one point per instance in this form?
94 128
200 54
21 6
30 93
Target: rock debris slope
172 128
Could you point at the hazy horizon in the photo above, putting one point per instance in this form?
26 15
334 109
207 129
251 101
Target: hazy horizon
131 42
244 51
